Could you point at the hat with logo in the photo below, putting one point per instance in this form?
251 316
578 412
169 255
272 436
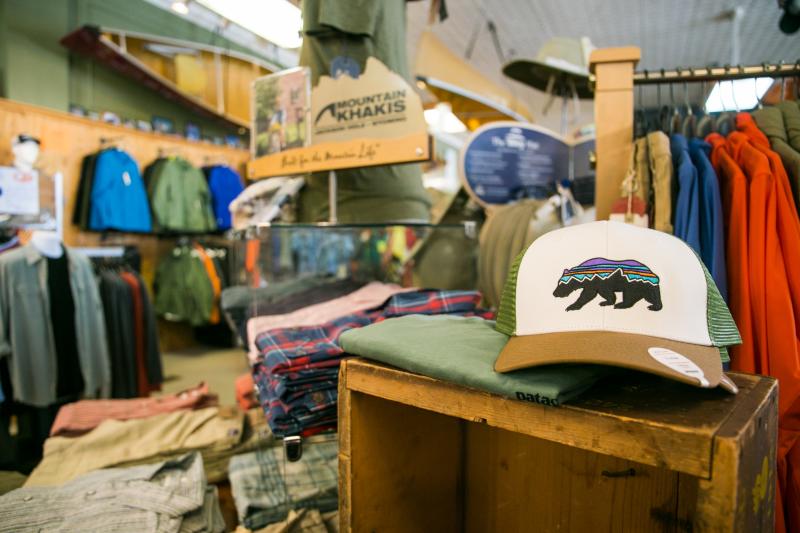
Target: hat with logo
616 294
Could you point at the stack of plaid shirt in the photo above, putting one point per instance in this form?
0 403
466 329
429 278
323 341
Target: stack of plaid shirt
296 373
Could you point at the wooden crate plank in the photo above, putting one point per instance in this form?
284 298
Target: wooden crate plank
684 449
405 468
740 495
345 469
517 483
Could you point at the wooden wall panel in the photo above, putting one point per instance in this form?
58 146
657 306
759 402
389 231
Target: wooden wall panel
66 139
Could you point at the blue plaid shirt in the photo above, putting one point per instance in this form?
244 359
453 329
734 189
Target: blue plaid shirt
297 371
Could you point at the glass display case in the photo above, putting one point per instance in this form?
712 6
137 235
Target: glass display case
442 256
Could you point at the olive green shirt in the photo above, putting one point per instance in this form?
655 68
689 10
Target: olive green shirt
358 29
463 351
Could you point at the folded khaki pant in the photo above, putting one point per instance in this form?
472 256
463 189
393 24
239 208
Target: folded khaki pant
116 442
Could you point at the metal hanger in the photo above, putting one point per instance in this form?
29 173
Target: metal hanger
675 121
783 81
639 116
759 104
690 121
664 110
705 124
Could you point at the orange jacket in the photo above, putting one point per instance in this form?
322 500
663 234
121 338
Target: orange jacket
781 243
733 188
216 284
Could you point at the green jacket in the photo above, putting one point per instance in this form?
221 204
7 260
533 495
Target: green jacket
770 120
183 292
179 197
791 121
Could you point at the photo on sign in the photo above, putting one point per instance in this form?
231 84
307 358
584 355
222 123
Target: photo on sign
280 111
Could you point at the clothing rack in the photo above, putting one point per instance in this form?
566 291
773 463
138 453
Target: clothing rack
614 78
727 72
102 252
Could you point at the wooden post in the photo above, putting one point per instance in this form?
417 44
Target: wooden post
613 118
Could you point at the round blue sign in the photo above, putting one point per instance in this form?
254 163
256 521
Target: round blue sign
506 161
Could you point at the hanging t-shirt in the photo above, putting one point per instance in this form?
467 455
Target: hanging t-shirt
338 38
69 380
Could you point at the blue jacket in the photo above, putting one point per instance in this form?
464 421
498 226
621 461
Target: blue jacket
118 198
712 238
687 206
225 185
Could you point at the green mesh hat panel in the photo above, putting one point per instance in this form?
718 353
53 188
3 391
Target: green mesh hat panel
721 326
507 313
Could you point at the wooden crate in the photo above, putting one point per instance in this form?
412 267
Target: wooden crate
637 454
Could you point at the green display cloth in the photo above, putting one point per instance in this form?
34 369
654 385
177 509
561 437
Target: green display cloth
350 32
463 351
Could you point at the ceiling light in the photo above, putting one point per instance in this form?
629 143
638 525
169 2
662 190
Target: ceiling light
277 21
737 94
181 7
441 118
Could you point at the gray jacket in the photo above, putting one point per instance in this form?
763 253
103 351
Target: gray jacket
26 333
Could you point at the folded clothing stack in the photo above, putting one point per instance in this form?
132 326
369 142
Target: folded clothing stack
301 521
77 418
296 369
266 486
217 433
168 497
463 350
241 303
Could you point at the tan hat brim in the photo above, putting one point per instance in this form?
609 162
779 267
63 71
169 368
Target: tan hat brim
615 349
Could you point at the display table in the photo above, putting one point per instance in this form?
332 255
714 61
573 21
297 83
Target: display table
636 454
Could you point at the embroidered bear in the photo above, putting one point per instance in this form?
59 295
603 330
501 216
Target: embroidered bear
606 277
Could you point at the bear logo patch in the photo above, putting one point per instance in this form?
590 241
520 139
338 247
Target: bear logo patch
607 277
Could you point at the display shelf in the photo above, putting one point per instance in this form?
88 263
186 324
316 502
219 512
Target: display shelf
635 453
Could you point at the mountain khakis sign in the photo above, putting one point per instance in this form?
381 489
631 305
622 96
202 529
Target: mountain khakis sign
375 119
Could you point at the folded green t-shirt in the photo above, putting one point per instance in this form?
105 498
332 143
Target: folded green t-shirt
463 350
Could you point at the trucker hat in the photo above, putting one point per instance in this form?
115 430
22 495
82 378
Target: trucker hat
616 294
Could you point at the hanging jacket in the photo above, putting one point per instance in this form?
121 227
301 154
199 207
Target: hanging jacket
783 322
83 200
687 205
661 172
180 198
733 189
712 239
118 197
791 121
770 121
225 185
26 336
183 290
